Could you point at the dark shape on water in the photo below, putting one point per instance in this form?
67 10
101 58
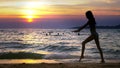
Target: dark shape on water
20 55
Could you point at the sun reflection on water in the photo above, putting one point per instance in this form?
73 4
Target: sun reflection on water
28 61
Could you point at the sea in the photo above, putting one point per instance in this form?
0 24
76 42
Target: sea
56 46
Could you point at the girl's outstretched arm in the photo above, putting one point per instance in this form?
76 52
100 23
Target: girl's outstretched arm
78 30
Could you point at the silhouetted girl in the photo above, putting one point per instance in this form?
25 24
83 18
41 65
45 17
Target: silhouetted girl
94 35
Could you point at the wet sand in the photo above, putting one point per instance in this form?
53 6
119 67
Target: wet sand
85 63
62 65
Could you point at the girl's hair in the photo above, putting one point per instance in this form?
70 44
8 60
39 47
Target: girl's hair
90 16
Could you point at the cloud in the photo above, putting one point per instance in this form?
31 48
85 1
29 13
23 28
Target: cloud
64 6
15 0
108 1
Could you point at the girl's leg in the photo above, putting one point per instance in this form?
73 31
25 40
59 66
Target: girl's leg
100 50
83 45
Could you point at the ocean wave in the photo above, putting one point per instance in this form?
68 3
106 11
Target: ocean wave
60 56
36 40
14 45
20 55
111 51
60 48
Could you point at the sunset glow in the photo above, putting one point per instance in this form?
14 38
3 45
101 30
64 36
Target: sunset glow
30 19
31 9
29 15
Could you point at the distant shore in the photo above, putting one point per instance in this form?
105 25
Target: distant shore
104 27
62 65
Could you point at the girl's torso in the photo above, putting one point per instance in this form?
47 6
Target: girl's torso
92 27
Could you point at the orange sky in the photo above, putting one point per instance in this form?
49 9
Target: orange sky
37 8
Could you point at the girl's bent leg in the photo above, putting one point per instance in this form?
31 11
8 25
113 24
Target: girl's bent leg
83 45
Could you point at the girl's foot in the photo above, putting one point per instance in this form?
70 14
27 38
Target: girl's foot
102 61
81 58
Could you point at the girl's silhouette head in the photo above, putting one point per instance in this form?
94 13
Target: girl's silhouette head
89 15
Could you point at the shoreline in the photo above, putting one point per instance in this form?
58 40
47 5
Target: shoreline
38 61
59 63
62 65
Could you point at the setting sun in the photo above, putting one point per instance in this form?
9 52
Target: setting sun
29 15
30 12
33 10
30 19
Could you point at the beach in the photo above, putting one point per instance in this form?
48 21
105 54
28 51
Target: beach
85 63
62 65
